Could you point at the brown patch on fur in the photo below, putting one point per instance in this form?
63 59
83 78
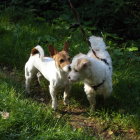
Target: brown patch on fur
82 63
62 59
34 51
66 46
52 50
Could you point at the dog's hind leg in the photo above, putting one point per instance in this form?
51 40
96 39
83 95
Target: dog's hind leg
90 96
29 73
39 76
66 95
39 79
53 96
28 81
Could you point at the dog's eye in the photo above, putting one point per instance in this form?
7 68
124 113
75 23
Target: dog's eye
61 60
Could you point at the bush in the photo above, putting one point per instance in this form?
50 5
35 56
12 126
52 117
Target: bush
121 17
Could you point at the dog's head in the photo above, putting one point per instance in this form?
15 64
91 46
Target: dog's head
62 58
79 69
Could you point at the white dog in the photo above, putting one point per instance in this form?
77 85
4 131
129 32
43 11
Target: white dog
54 69
94 69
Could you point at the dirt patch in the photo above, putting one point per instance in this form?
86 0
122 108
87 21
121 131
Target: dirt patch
79 119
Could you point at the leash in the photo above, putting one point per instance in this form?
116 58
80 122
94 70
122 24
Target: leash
77 18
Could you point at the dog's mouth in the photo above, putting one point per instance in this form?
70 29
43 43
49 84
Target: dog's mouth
72 80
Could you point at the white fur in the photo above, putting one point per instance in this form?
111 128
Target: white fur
47 67
41 51
95 72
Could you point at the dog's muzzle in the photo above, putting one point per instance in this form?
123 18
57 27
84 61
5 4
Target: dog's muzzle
72 80
67 68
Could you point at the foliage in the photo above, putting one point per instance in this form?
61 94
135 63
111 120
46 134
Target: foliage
19 38
121 17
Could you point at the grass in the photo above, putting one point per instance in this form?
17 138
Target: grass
30 119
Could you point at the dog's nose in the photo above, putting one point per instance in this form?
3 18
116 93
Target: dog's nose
69 77
69 68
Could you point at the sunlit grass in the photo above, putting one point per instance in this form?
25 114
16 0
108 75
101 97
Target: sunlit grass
28 119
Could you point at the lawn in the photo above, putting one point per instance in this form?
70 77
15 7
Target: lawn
31 117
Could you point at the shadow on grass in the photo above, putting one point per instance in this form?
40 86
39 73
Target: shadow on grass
17 83
124 99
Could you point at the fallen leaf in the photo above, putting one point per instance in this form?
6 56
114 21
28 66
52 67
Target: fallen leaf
110 132
58 116
5 115
132 130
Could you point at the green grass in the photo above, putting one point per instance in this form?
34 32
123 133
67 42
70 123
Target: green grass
30 119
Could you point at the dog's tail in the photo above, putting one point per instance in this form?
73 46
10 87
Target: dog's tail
38 50
97 43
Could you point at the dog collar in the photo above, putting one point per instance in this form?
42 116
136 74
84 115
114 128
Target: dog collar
95 87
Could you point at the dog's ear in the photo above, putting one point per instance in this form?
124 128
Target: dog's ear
52 50
66 46
82 63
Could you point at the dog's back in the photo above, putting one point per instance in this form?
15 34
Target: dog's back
99 47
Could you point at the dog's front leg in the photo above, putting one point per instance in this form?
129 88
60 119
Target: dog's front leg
90 96
66 94
53 96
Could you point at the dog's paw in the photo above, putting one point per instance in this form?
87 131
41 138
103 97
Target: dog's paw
66 102
54 107
92 108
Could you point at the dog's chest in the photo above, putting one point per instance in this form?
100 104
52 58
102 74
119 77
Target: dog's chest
61 83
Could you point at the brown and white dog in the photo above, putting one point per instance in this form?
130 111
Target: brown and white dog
55 69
